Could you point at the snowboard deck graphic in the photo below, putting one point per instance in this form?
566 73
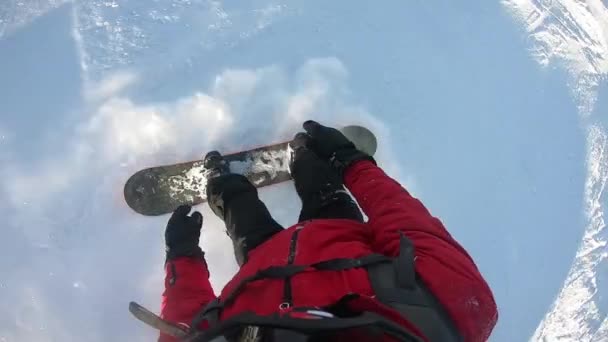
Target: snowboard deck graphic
159 190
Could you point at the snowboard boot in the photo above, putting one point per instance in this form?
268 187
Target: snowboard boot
297 146
235 201
215 165
300 140
319 185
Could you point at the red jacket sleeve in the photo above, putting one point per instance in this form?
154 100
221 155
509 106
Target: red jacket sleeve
187 290
391 209
444 266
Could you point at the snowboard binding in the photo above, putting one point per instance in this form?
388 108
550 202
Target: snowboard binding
215 165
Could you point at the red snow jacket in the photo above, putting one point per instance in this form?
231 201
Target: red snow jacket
441 264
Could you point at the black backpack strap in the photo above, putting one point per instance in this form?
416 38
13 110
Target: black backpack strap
405 263
210 313
393 280
306 326
396 285
287 271
342 264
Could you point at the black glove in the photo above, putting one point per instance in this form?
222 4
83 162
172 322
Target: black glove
183 233
330 144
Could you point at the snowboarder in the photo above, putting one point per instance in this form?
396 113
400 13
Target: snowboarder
399 276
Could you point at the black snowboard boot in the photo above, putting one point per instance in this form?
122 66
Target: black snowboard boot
300 140
235 200
298 146
215 165
319 185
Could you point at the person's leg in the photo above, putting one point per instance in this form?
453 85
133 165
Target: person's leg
248 222
321 189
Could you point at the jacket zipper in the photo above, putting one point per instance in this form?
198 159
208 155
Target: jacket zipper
287 294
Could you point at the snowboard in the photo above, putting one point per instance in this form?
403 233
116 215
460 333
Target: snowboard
159 190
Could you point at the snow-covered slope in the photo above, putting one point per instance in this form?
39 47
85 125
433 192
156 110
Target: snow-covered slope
160 81
130 33
574 34
49 295
15 14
